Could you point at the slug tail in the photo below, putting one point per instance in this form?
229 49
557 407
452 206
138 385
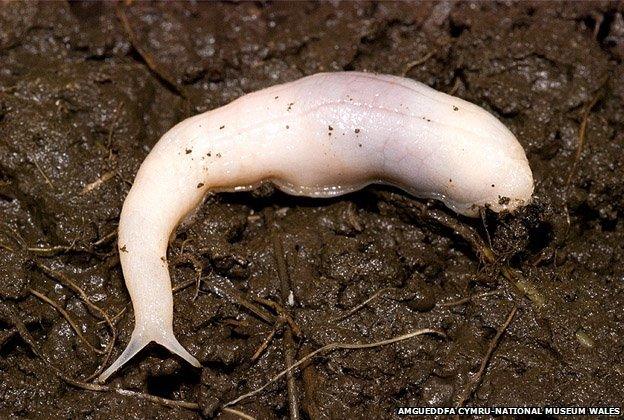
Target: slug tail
173 345
138 341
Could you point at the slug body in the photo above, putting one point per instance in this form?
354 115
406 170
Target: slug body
320 136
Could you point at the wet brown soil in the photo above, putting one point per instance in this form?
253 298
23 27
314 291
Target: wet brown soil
86 89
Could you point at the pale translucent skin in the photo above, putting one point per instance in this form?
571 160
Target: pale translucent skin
384 129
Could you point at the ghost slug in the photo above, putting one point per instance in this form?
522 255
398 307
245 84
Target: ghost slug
320 136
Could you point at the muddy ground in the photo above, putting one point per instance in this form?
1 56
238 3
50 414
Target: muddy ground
86 89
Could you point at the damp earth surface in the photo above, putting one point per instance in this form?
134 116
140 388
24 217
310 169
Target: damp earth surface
531 303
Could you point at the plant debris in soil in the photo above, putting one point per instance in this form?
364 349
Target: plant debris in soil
524 309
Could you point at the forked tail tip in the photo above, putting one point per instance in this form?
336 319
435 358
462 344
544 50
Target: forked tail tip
142 339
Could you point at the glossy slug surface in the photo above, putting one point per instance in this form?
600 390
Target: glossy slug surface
320 136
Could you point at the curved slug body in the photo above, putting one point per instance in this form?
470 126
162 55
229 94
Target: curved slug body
320 136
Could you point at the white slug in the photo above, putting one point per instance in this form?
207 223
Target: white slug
320 136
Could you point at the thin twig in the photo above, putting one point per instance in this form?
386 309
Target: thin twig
476 380
49 251
17 237
579 151
581 138
468 299
68 282
12 318
238 413
65 315
197 266
7 335
43 174
97 183
8 248
455 86
116 317
159 400
52 250
182 286
266 341
336 346
163 76
485 227
105 238
238 297
465 232
43 251
282 313
286 290
477 244
415 63
363 304
310 385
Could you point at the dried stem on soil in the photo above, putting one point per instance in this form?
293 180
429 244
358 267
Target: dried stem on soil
97 183
159 400
197 266
52 251
238 413
282 314
286 290
39 251
415 63
96 310
468 299
6 247
310 385
363 304
10 316
160 74
336 346
266 341
476 380
455 86
45 177
105 238
238 297
65 315
579 150
473 238
6 336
